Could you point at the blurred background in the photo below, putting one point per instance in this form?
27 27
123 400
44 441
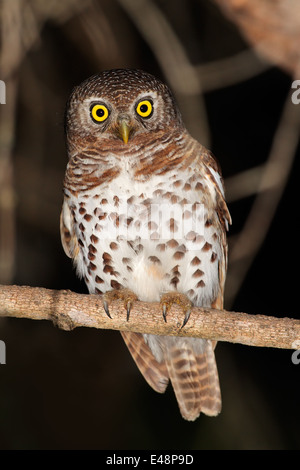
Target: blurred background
230 65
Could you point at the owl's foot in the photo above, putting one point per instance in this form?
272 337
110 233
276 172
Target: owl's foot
176 298
119 294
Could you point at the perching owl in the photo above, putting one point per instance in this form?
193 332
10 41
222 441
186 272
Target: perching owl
144 217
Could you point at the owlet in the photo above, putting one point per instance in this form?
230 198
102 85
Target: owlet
144 217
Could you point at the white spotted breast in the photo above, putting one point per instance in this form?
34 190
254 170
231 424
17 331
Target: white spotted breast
152 236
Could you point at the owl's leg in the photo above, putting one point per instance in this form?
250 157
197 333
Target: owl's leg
176 298
119 294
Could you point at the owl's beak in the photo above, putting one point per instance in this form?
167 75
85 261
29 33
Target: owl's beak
124 131
124 128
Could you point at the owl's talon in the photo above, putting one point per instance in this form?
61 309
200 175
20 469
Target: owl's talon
176 298
186 318
165 312
106 309
119 294
129 304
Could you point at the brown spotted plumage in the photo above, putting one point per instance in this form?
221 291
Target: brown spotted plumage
144 217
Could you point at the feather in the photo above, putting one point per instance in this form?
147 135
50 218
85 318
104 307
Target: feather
155 373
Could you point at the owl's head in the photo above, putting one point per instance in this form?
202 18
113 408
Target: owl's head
121 104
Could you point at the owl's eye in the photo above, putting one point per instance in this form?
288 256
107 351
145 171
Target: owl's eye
99 112
144 109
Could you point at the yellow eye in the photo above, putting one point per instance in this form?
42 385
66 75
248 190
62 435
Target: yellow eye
144 108
99 112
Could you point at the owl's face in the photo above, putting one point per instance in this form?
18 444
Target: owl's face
120 105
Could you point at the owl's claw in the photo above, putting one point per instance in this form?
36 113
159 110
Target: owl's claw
176 298
106 309
129 305
186 318
119 294
164 309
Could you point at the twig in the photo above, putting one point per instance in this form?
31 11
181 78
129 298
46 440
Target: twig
11 50
173 59
272 28
69 310
273 182
230 71
245 183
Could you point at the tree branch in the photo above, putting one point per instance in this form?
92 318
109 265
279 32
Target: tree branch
272 28
69 310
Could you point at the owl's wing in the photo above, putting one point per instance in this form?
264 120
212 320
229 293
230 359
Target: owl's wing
155 373
214 175
67 232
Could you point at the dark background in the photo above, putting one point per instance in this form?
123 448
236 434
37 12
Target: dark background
81 389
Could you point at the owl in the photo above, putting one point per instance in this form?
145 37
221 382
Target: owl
144 217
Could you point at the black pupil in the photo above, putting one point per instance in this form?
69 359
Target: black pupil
100 113
144 108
